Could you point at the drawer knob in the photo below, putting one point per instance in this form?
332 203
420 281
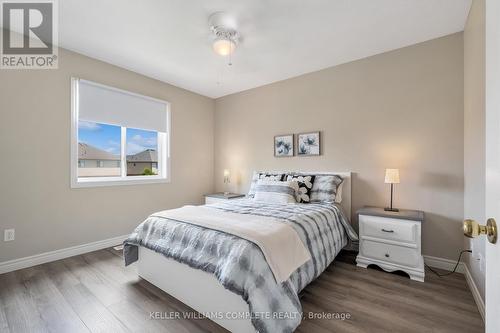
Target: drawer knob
385 230
387 255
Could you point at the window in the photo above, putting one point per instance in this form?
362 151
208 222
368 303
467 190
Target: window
98 150
142 152
118 137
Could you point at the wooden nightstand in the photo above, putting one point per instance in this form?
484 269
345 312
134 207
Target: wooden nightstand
391 240
220 197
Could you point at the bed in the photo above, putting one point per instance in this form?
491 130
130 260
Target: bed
229 279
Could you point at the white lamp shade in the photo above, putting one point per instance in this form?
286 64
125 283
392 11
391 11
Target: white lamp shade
392 176
224 47
227 176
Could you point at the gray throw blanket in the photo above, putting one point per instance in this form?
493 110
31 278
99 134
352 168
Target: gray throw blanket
239 264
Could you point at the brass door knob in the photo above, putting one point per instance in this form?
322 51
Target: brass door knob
473 229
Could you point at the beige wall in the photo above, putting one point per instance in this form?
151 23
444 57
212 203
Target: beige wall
401 109
35 195
474 132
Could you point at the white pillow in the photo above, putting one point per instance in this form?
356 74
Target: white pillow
276 191
276 176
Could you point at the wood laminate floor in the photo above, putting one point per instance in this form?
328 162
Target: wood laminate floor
95 292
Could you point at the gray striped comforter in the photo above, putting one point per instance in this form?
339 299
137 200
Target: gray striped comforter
239 264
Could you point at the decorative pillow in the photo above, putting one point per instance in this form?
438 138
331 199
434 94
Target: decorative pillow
305 186
265 176
276 192
325 188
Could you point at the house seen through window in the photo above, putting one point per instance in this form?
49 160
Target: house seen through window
98 150
142 152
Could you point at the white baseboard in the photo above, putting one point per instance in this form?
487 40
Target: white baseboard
448 265
475 292
38 259
445 264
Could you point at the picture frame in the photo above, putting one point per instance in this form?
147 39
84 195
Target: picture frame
309 144
284 145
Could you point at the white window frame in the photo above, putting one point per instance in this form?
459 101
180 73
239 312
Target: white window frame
163 149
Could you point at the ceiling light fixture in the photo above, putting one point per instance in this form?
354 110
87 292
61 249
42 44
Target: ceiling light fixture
223 28
224 46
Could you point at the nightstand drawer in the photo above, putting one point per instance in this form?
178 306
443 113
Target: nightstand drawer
391 229
391 253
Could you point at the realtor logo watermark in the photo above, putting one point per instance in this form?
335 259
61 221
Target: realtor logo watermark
29 35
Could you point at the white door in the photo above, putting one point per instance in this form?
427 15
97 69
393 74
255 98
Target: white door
492 290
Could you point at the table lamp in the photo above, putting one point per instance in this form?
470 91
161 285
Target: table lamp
227 180
391 177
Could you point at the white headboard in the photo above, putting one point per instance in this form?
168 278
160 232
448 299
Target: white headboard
346 192
346 187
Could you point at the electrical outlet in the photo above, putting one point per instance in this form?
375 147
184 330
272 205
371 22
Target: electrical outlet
481 262
9 235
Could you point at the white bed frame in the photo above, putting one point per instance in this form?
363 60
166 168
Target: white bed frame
201 290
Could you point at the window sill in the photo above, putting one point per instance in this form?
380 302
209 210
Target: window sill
117 181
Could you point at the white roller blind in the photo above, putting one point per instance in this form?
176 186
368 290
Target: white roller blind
102 104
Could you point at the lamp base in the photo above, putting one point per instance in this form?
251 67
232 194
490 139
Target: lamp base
388 209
